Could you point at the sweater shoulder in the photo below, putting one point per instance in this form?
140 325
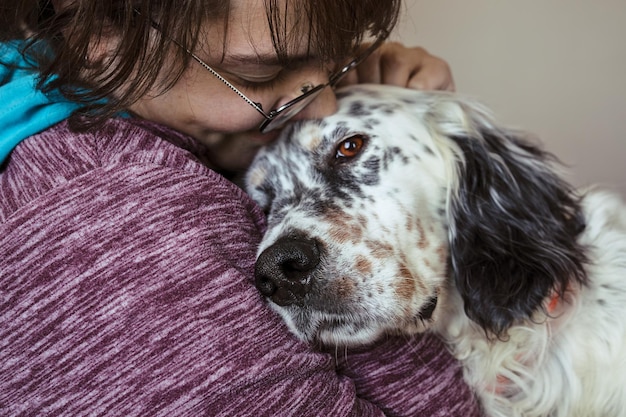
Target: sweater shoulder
134 265
54 158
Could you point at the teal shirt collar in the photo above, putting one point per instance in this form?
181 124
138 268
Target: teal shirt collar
25 110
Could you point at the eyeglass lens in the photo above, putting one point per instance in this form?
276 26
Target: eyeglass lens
277 118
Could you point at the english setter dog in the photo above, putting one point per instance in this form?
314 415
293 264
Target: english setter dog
407 212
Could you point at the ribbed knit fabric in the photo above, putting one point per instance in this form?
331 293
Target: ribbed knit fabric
126 290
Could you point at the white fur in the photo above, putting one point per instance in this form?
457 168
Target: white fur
571 365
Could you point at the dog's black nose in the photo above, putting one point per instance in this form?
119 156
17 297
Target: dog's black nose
283 270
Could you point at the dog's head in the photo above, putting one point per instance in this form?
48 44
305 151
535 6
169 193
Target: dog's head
376 211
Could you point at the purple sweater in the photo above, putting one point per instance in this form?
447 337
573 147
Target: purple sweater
126 290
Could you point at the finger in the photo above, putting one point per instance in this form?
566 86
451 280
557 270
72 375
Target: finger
369 70
399 63
435 74
350 78
425 81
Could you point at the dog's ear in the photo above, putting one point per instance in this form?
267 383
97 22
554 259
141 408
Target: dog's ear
513 223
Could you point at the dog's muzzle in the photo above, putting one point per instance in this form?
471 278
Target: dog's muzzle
284 271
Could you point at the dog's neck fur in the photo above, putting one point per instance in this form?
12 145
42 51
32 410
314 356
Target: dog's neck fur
505 371
540 359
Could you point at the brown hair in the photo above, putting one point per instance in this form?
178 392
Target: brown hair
337 27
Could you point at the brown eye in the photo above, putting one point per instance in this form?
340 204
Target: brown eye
349 148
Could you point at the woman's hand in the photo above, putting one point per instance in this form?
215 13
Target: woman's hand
395 64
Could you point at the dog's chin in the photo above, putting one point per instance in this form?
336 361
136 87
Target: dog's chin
326 330
331 334
358 335
349 330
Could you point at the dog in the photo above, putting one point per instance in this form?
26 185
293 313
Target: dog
410 211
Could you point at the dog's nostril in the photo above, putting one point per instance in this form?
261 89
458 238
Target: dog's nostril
283 270
265 285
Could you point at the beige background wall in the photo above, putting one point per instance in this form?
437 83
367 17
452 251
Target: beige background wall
556 68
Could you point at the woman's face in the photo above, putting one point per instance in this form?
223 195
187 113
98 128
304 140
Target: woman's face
202 106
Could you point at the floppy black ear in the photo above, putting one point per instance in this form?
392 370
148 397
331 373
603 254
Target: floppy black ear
513 229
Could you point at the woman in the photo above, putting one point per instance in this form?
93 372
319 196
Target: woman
126 275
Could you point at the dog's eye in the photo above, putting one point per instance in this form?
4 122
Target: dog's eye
349 148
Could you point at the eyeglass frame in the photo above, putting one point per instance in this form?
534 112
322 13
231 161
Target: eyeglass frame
303 100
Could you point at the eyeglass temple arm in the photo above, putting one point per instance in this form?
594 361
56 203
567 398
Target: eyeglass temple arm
257 106
370 49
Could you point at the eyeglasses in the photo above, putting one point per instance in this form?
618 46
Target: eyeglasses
278 117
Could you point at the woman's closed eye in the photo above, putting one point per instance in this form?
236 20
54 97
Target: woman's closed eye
260 81
268 78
